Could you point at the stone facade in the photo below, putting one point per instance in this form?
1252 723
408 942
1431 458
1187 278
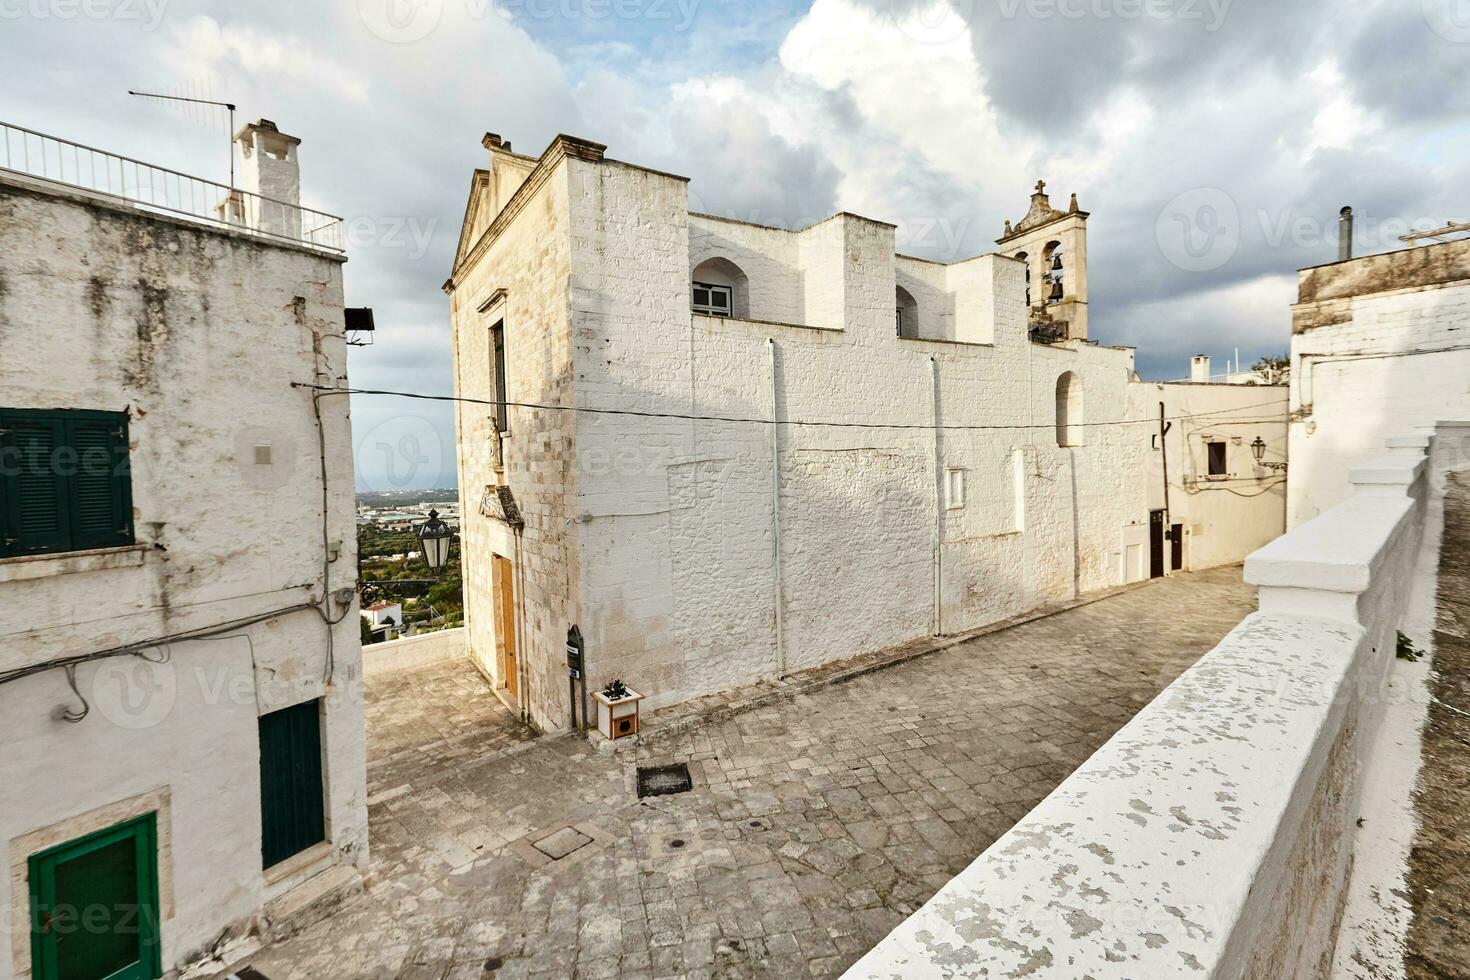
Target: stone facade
198 333
697 546
1378 348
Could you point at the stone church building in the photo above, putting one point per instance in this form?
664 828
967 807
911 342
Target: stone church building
731 452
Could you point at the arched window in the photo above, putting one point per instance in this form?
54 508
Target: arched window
720 288
906 311
1069 410
1052 272
1025 260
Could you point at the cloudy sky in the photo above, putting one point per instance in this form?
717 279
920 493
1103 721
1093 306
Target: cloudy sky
1213 140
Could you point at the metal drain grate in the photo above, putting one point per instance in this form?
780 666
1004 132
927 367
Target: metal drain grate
664 780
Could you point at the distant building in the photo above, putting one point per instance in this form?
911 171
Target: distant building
1378 350
1002 462
179 700
384 614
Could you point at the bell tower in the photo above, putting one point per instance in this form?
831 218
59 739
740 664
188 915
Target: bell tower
1053 244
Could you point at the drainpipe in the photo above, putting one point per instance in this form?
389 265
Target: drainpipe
1345 234
778 586
938 542
1164 459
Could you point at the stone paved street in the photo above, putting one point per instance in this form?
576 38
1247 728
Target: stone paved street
814 825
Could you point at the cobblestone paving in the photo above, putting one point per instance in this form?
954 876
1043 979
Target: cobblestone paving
814 826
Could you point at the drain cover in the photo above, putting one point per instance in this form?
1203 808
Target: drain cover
558 845
663 780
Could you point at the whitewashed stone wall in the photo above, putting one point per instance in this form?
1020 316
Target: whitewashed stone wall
410 652
1214 834
678 541
1223 518
673 572
523 276
199 334
1379 347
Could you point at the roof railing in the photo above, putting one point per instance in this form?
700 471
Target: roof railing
159 189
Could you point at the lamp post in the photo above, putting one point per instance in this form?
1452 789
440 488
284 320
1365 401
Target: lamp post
1258 450
434 539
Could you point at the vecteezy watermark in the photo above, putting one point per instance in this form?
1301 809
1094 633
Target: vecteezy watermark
406 21
1210 13
933 21
1202 229
401 21
1450 19
939 238
149 13
136 693
411 235
679 14
396 453
1199 230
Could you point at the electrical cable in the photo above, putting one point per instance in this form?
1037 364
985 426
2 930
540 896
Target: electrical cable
322 391
135 649
1264 490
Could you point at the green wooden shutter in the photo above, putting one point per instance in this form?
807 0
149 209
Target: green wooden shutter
36 511
101 486
292 815
65 482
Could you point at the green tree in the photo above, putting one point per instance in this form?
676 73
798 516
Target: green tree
1273 370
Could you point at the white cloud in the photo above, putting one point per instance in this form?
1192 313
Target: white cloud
902 110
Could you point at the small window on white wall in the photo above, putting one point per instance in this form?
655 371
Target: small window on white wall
1218 456
713 300
954 489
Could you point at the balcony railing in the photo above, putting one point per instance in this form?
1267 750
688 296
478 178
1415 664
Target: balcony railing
150 188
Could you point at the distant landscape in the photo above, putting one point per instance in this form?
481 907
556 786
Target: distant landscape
390 568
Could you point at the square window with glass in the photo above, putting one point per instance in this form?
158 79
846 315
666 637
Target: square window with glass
713 300
65 482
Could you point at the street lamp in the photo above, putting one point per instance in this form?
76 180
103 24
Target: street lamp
434 539
1258 450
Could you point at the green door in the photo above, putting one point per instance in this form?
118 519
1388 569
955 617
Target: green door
94 906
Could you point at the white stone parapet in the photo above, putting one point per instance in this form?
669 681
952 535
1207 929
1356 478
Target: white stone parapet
1213 835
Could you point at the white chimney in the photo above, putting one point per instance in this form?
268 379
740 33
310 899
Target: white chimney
270 170
1199 368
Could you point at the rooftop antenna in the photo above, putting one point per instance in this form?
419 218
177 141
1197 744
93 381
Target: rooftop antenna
223 105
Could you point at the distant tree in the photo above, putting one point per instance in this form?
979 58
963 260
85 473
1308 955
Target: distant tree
1273 370
366 631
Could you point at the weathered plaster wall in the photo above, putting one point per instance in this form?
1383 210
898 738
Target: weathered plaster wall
672 570
1379 347
1213 835
521 279
1224 519
677 526
413 651
199 335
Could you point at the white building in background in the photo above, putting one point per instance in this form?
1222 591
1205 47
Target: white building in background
384 613
180 694
1378 350
949 448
